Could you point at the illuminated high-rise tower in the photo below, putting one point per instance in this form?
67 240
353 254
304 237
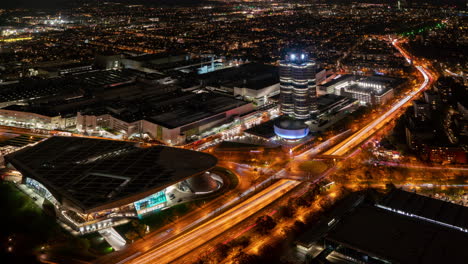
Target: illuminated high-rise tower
297 86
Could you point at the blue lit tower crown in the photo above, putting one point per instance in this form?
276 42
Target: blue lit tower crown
297 85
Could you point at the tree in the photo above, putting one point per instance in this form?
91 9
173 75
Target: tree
139 228
222 250
243 242
271 253
244 258
390 186
326 204
265 224
312 193
131 235
286 211
301 202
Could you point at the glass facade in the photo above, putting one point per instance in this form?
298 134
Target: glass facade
291 134
297 86
286 89
151 203
40 189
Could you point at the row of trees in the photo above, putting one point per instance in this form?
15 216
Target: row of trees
277 245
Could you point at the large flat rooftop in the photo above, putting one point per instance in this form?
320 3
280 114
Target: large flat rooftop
104 78
69 86
423 206
400 227
194 107
250 75
170 110
93 174
399 238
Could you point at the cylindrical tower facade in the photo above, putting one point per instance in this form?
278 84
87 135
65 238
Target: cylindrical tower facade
286 89
297 86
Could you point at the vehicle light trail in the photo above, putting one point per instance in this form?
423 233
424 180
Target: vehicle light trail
207 231
322 146
368 130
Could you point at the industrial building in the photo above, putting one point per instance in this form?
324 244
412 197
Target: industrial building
172 118
118 104
148 62
369 90
250 81
63 69
401 227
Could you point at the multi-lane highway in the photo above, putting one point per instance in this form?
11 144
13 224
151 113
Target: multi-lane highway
365 132
212 228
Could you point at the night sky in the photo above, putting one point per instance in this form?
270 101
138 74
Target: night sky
67 3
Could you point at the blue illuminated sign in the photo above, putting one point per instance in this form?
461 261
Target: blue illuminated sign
151 203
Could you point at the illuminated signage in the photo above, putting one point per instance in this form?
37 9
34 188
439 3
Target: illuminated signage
151 203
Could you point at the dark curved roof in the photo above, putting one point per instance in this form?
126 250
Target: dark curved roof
290 123
95 174
202 183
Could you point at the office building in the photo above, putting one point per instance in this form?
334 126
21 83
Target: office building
297 86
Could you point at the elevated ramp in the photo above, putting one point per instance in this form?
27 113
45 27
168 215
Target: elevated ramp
112 237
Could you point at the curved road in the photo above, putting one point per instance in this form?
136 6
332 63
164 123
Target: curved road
212 228
357 138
